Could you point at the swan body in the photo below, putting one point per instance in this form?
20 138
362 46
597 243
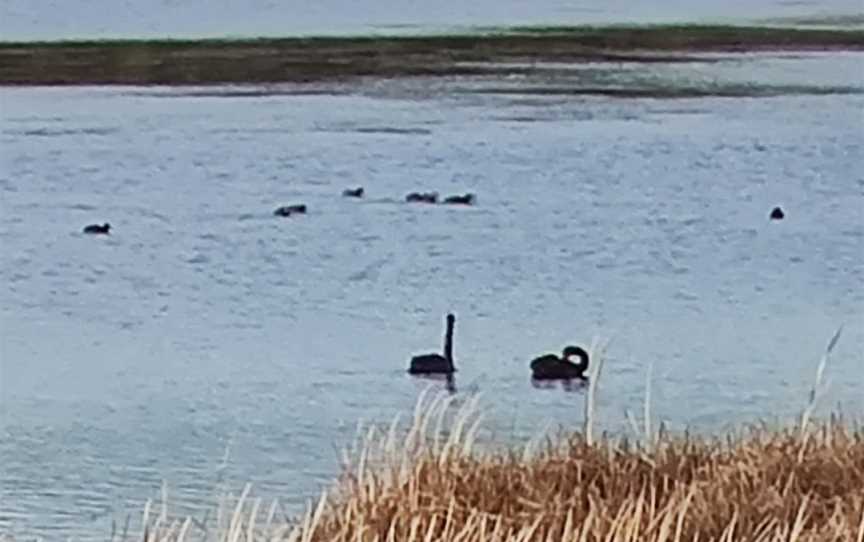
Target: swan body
436 363
552 367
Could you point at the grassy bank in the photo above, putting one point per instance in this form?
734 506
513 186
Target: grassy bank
188 62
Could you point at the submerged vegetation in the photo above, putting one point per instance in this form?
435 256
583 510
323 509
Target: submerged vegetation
313 59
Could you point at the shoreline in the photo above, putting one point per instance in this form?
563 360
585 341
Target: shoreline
185 62
437 479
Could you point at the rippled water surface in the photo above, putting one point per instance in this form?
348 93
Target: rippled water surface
55 19
207 341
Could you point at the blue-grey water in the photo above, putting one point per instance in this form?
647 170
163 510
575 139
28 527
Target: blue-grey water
207 341
57 19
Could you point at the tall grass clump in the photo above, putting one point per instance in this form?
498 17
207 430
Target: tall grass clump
432 481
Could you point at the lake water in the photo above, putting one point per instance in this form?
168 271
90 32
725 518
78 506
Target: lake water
207 341
55 19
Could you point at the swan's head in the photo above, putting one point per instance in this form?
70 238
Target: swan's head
574 351
451 319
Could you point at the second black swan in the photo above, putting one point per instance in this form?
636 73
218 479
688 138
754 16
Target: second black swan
436 363
551 367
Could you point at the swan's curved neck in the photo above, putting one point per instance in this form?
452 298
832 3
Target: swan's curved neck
448 343
583 360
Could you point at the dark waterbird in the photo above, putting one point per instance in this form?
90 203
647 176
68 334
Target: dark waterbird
465 199
551 367
96 229
353 192
422 197
426 364
777 214
289 210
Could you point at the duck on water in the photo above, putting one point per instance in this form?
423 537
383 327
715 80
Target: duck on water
551 367
464 199
777 214
428 364
289 210
96 229
353 192
422 197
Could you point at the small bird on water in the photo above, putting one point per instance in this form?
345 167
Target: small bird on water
466 199
422 197
777 214
96 229
288 210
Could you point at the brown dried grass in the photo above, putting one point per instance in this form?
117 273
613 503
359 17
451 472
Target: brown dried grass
432 482
749 488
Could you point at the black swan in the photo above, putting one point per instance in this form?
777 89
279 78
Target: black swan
97 229
353 192
289 210
551 367
436 363
466 199
425 197
777 214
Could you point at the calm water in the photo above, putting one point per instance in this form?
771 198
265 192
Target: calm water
55 19
206 341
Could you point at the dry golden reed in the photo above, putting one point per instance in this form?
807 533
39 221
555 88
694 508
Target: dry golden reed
431 483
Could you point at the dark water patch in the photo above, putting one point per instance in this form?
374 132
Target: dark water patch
826 21
541 115
82 207
369 272
251 130
397 26
387 130
34 118
149 213
720 91
60 132
384 200
679 111
526 118
693 36
393 130
218 92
